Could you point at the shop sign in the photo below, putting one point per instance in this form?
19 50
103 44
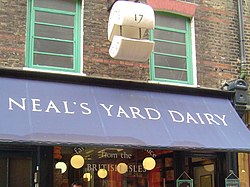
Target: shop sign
83 108
184 183
232 180
98 115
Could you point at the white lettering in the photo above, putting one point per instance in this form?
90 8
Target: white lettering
111 167
22 106
108 155
88 111
198 115
136 112
122 111
158 114
65 103
189 117
222 119
107 109
210 118
52 105
176 116
35 104
89 168
151 152
94 167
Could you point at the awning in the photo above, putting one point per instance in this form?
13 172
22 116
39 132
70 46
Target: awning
46 112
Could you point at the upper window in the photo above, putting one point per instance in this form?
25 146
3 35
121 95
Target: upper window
171 60
54 35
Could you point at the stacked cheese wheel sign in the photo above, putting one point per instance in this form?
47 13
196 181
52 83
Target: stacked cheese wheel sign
127 24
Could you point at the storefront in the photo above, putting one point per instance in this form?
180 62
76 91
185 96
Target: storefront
126 133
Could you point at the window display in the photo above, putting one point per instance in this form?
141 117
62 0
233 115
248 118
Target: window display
109 167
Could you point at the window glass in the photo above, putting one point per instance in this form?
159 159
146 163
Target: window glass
54 35
54 32
171 74
170 48
15 171
20 166
170 21
169 35
51 60
171 59
68 5
50 46
115 167
54 18
3 173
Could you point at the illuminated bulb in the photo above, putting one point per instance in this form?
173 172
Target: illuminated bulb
62 166
77 161
102 173
148 163
122 168
87 176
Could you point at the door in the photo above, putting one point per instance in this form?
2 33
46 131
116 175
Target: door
203 171
16 169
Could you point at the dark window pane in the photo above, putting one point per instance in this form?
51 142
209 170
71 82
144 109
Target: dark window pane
59 19
170 21
3 173
68 5
54 32
20 172
170 74
53 46
169 48
54 61
168 35
169 61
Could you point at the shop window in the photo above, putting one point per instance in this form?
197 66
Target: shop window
171 60
54 35
113 167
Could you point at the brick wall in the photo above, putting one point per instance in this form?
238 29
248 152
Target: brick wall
97 61
12 33
217 41
217 44
246 5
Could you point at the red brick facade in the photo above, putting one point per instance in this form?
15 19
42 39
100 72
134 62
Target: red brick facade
182 8
216 35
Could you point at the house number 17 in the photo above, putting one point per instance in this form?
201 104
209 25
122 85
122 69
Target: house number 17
138 17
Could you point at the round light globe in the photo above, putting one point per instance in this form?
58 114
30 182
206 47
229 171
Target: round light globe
87 176
122 168
62 166
102 173
77 161
148 163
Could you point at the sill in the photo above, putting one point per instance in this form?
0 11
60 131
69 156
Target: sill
174 84
53 72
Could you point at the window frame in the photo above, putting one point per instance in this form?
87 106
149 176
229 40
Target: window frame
190 57
77 38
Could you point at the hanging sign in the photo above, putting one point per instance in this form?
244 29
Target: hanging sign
232 180
188 182
184 183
